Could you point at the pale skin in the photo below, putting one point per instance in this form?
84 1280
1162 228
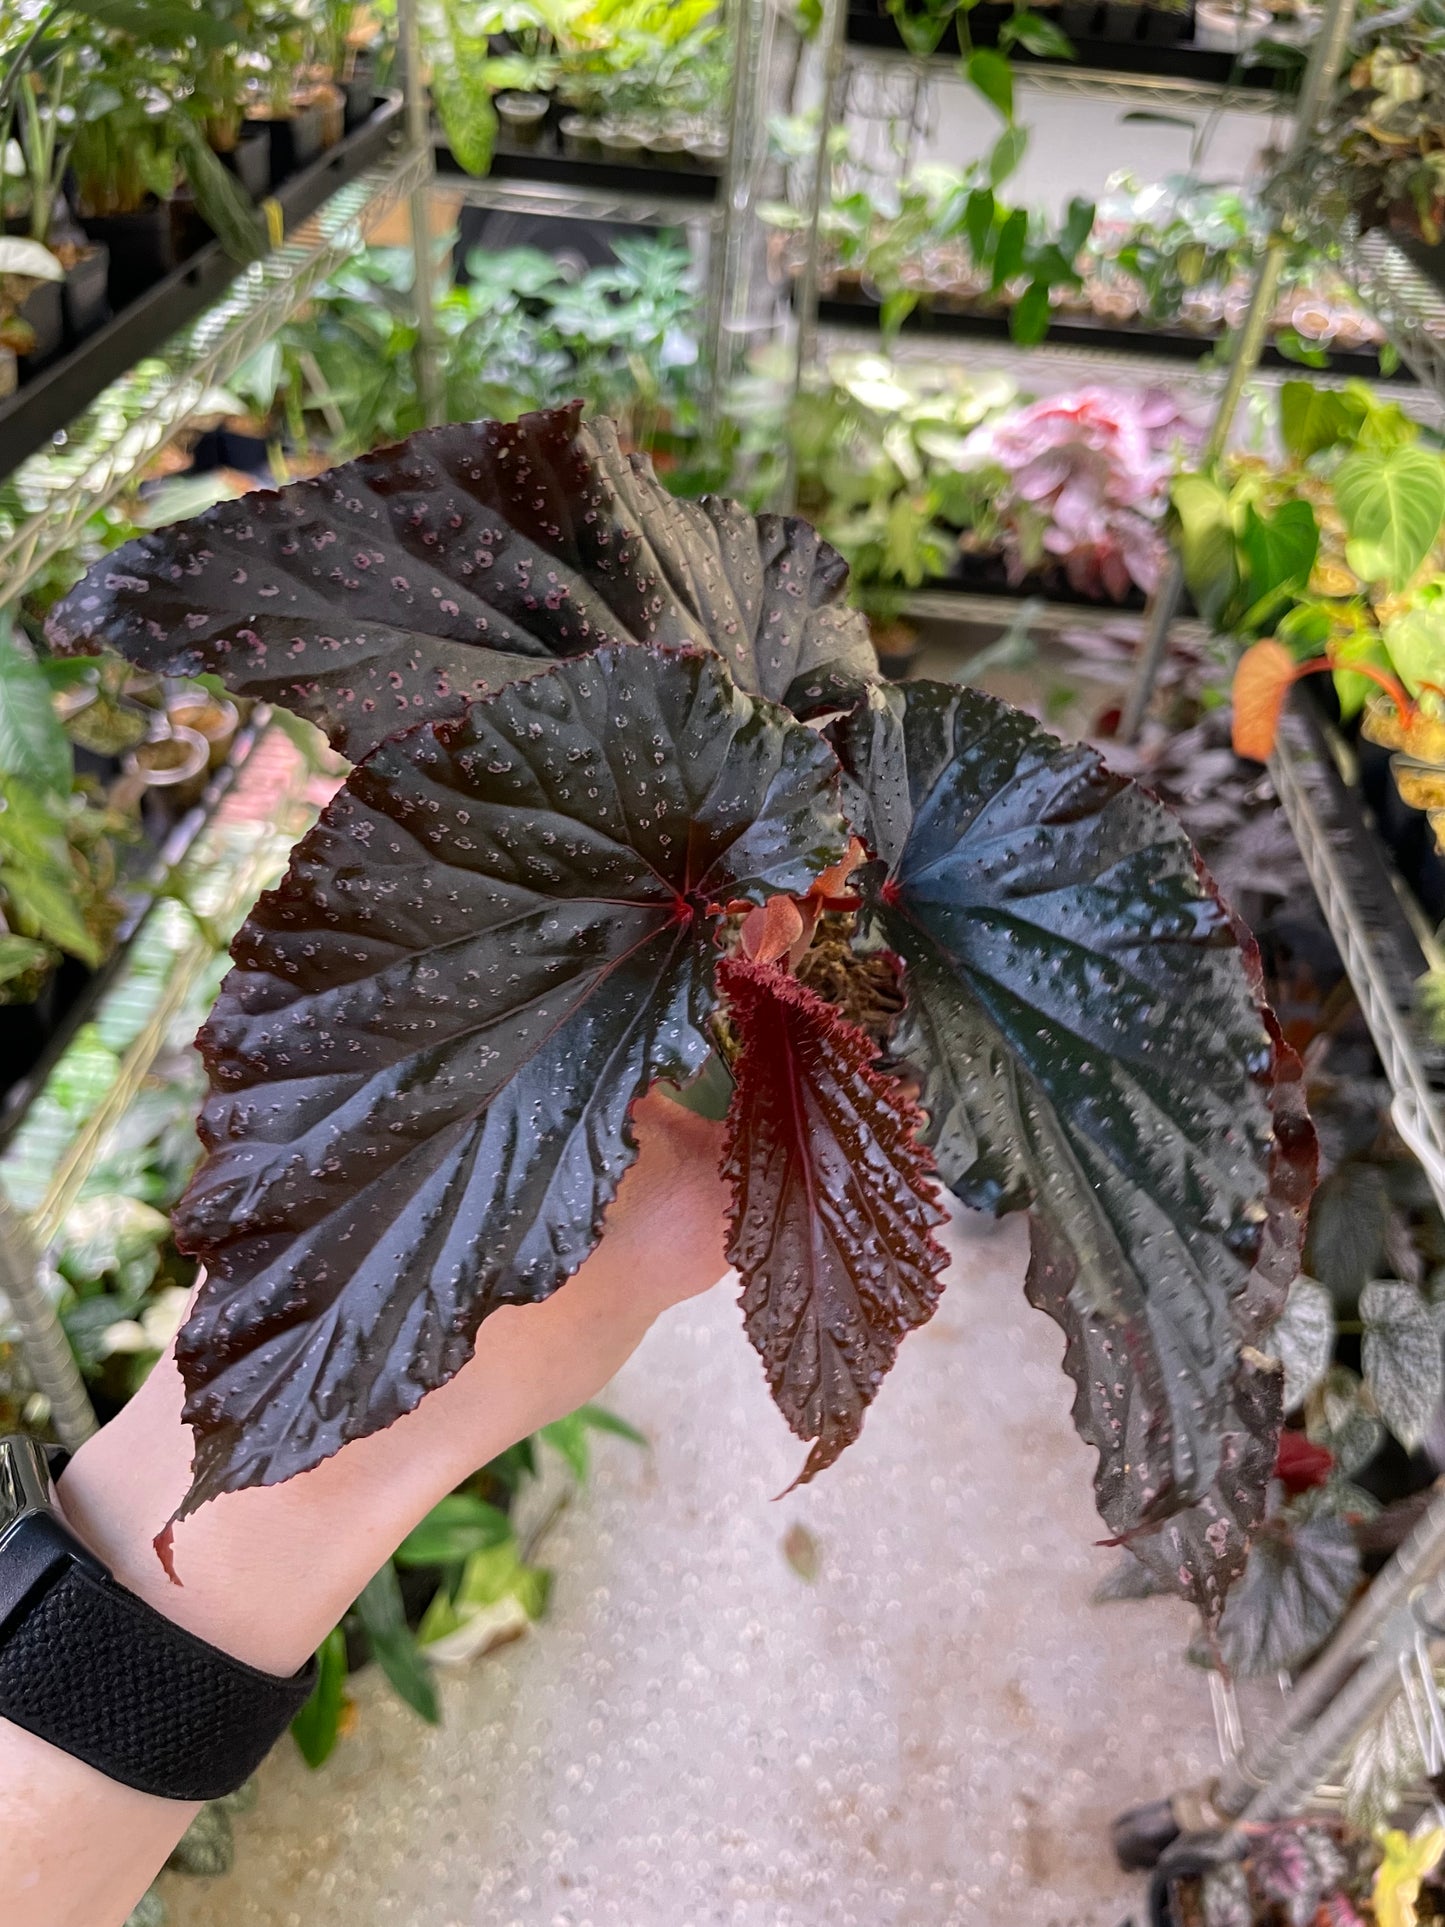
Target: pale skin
267 1573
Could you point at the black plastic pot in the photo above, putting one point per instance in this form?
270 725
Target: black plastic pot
1166 27
190 231
84 300
250 159
43 311
295 140
984 22
359 93
1121 23
26 1030
1428 258
230 448
1405 831
142 248
1080 19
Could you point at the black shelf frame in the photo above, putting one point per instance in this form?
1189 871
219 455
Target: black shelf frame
862 312
545 164
1156 60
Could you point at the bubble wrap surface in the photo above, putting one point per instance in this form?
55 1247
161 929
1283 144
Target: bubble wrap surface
934 1732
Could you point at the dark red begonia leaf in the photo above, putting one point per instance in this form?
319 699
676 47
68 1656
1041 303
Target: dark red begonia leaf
834 1205
499 934
1202 1549
399 587
1090 1045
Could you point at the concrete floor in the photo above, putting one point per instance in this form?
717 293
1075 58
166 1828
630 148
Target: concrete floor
934 1732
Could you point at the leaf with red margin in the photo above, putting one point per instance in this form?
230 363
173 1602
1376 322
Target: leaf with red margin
500 933
833 1205
1090 1043
400 587
1201 1551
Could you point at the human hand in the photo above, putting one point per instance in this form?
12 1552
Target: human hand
265 1573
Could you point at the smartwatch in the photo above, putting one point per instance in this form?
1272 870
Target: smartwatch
94 1670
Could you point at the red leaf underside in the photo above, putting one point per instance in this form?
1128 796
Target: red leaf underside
834 1206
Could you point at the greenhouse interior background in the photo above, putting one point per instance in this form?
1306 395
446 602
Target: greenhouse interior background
1104 342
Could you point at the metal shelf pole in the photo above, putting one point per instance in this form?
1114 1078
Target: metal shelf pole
43 1343
1325 56
753 24
419 140
834 36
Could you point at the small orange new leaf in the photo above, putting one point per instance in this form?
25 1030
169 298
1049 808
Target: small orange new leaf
1262 681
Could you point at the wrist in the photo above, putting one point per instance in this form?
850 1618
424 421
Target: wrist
263 1574
266 1573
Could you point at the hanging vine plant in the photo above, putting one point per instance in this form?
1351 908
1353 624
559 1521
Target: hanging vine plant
630 806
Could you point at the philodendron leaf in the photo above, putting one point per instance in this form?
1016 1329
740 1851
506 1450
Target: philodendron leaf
499 934
399 587
833 1205
1402 1358
1393 504
1089 1043
393 1643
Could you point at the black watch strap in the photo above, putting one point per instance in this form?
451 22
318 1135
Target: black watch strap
105 1677
97 1672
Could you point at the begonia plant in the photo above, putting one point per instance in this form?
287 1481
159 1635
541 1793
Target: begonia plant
630 806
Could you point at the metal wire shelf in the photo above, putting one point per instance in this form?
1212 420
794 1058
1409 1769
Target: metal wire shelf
1407 305
1381 981
1135 90
577 202
137 416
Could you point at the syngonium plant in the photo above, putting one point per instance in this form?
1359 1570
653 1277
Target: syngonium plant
630 806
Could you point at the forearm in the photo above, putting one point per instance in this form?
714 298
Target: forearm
266 1573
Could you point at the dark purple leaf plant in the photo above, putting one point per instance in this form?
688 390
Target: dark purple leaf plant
630 806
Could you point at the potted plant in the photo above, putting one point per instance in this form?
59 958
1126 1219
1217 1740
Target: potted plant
346 38
596 848
30 309
42 116
1079 484
293 109
138 134
218 102
59 906
1381 139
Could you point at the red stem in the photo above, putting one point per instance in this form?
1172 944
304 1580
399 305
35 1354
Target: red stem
1392 687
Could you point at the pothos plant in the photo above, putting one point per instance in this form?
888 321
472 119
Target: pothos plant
591 844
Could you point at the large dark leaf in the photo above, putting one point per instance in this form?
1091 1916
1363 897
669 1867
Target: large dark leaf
1200 1551
402 586
833 1205
1084 1025
500 932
